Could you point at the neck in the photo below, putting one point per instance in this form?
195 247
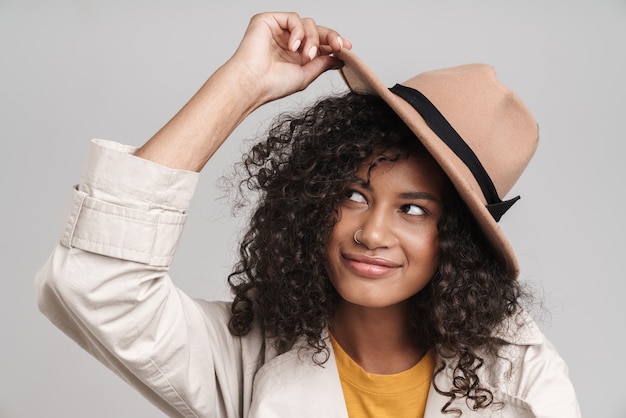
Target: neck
377 339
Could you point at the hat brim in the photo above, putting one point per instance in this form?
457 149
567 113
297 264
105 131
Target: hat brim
362 80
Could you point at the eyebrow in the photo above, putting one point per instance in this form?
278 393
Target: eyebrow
405 195
418 195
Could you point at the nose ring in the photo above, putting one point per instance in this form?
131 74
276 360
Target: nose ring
356 236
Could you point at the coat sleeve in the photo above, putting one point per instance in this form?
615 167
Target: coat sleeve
106 285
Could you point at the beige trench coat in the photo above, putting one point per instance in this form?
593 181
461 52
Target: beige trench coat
106 286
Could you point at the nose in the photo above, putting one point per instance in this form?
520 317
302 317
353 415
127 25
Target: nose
376 230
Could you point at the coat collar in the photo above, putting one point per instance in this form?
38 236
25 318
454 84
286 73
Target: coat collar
291 384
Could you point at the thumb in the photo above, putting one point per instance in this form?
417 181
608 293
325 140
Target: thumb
319 65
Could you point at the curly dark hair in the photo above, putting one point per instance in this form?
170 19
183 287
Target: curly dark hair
302 171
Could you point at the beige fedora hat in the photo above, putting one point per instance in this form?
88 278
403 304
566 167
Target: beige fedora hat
479 132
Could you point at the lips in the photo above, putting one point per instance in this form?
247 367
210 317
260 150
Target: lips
369 266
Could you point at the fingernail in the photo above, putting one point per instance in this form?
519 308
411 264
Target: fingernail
295 45
313 52
340 41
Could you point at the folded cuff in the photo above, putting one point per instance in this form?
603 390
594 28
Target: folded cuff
128 207
121 232
113 174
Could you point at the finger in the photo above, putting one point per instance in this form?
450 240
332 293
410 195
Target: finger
327 50
296 30
331 40
311 40
314 68
285 26
347 44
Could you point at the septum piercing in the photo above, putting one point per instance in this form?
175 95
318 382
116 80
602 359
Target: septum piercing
356 239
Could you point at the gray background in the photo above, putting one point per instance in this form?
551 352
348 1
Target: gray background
74 70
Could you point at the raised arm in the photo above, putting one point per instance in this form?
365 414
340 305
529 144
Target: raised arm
279 54
106 283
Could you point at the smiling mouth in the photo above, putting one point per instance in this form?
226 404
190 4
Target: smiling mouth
370 266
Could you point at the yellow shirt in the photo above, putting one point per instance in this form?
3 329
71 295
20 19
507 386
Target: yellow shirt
370 395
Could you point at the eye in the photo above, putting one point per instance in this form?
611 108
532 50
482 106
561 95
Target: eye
355 196
413 210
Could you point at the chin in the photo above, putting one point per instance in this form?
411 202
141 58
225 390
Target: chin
365 298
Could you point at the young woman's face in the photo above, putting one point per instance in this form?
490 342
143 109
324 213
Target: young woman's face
397 215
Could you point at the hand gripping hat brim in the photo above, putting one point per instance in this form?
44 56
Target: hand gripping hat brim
479 132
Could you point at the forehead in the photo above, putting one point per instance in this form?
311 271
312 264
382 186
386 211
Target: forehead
415 172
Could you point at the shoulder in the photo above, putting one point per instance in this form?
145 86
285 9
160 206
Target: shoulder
528 377
519 329
529 370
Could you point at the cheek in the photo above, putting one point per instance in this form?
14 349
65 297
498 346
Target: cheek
435 255
332 250
344 228
335 219
433 245
425 251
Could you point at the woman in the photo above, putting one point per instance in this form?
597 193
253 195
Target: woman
373 280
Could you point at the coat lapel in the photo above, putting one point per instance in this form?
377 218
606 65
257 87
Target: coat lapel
292 385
